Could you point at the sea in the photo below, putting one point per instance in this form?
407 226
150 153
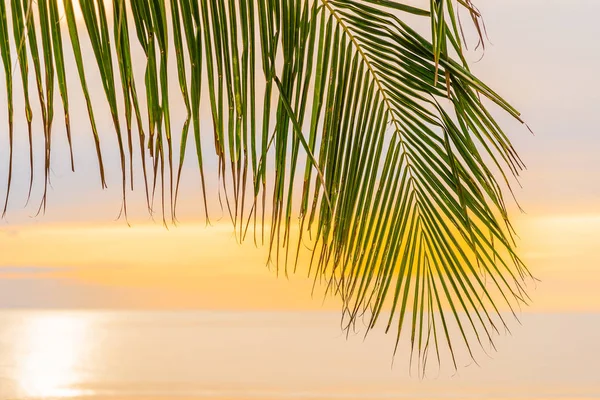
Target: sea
62 354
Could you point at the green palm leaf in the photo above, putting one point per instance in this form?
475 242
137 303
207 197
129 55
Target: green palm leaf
373 137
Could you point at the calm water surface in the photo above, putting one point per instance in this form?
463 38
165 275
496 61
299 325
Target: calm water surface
261 355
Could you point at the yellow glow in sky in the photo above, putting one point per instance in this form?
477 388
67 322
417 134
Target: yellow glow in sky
190 266
193 266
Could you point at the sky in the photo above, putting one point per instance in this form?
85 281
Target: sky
77 255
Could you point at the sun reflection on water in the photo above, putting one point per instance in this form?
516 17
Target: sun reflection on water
53 355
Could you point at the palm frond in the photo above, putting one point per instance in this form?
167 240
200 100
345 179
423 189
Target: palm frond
374 137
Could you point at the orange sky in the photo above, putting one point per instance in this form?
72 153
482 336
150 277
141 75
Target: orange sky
193 266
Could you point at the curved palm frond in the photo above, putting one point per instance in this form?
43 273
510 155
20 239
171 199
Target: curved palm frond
378 139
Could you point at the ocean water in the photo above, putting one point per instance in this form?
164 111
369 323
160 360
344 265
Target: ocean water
269 355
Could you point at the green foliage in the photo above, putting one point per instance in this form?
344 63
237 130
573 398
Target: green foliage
386 130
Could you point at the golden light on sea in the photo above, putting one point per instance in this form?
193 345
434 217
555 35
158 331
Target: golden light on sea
53 346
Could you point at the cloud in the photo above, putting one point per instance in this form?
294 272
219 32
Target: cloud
26 270
42 293
11 232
